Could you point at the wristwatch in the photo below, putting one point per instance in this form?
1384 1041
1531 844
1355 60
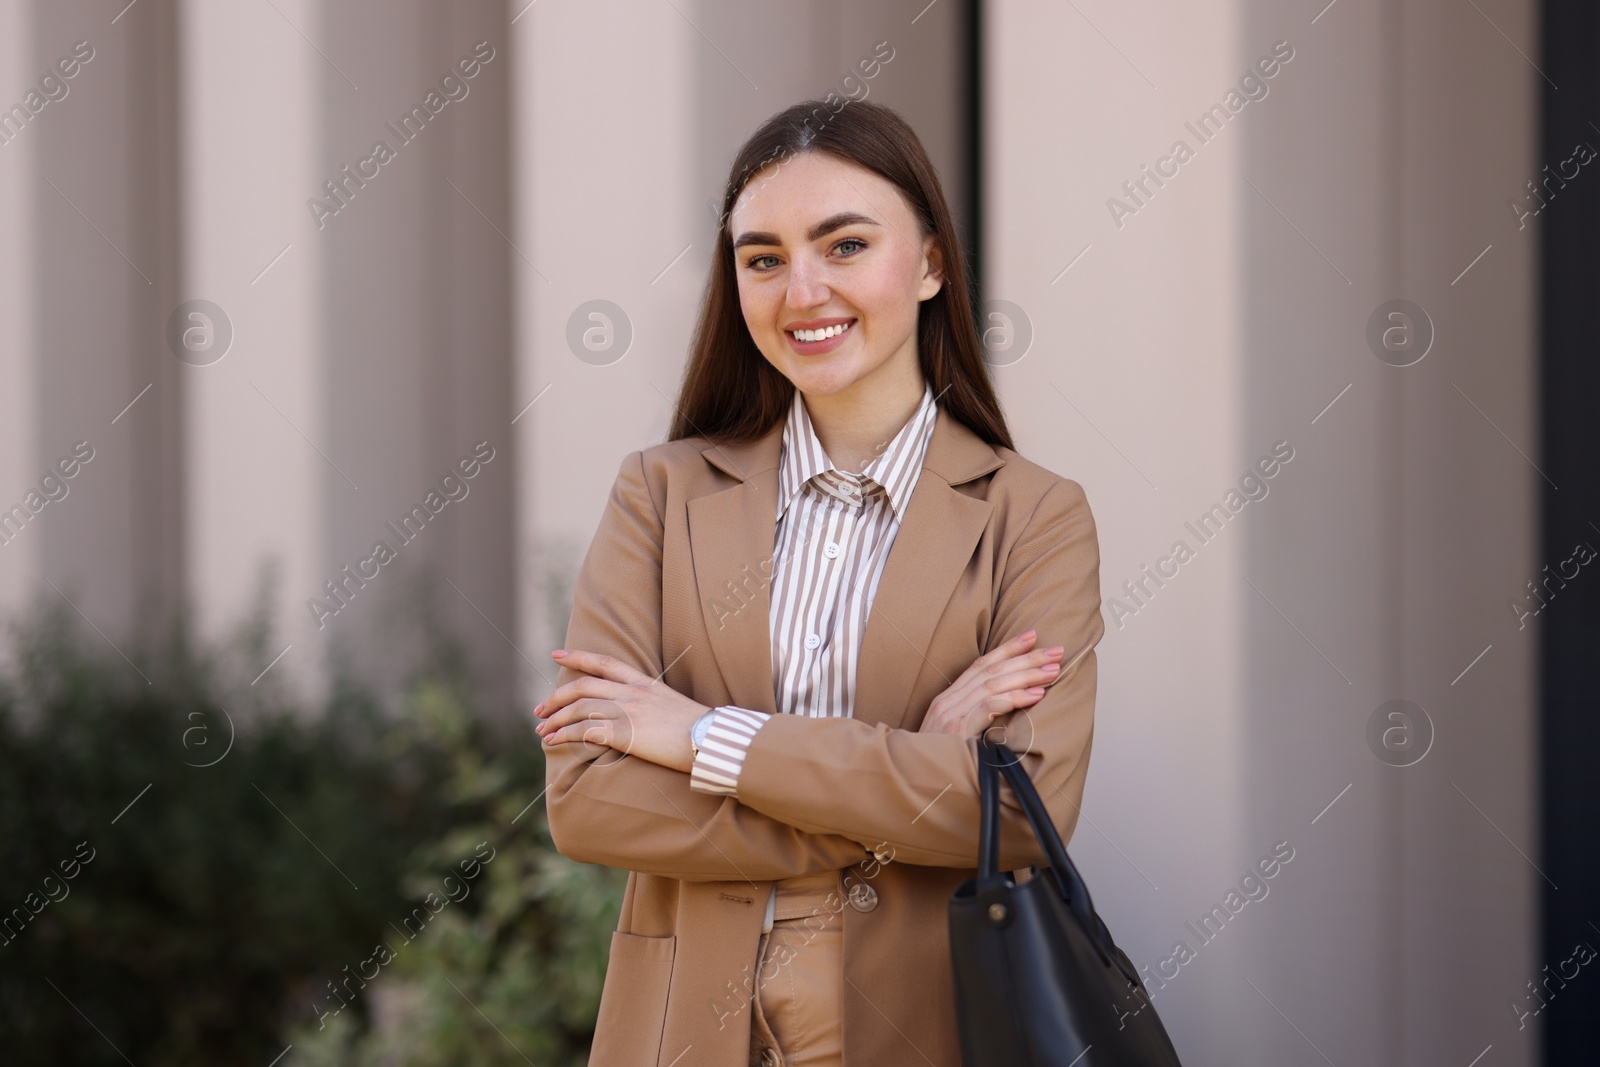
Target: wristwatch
697 732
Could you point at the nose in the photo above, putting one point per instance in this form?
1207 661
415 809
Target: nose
807 289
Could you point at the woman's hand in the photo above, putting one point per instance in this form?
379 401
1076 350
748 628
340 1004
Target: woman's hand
1001 680
619 707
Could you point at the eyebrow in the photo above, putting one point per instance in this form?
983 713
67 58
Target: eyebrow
821 229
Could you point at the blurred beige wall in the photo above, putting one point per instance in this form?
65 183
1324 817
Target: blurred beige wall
624 140
1227 311
349 359
1174 343
88 263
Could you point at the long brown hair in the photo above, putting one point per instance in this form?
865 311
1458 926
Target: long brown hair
730 392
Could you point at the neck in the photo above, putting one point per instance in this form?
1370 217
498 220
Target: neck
855 426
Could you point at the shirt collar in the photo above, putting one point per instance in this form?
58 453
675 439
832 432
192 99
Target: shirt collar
894 470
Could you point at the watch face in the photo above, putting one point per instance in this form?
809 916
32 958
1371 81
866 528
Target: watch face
701 726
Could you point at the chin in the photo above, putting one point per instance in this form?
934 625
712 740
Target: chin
823 381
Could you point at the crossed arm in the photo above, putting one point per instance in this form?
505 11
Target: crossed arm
820 794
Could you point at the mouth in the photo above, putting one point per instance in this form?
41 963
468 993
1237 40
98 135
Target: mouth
816 342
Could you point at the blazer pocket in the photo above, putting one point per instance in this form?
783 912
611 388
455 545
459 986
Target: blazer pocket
633 1002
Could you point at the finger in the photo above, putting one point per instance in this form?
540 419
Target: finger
1047 660
565 694
1011 699
1006 649
577 689
1023 678
579 712
594 731
1036 658
1014 660
1071 663
1000 706
994 661
1004 659
592 725
601 665
1015 646
1018 699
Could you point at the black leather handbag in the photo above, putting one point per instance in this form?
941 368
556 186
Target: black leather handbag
1038 980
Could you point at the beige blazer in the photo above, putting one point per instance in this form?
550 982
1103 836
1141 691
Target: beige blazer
676 581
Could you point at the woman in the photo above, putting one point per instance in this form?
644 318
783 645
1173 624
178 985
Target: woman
766 715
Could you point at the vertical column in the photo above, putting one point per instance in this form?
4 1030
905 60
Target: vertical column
1197 311
88 138
1418 526
1120 364
418 321
259 463
19 385
607 210
1471 479
354 220
1567 228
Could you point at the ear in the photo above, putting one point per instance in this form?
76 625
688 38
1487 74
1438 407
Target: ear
932 269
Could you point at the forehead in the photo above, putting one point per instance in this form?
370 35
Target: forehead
784 198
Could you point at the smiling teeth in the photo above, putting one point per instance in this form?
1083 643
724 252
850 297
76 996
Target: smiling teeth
820 335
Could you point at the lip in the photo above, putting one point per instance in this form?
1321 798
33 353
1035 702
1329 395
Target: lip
817 348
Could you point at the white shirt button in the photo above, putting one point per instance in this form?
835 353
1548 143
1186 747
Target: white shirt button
831 550
812 641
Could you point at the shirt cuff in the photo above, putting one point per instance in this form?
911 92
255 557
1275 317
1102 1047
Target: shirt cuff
717 764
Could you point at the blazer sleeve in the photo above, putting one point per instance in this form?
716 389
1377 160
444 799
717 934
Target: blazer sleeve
613 809
919 792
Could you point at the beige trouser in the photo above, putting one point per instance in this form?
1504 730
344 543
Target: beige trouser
798 1008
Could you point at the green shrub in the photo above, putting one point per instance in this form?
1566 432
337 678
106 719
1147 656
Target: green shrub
215 901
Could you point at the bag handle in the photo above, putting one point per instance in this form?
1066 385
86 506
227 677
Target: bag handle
988 812
995 759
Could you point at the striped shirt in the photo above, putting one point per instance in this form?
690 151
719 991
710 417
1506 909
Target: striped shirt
834 531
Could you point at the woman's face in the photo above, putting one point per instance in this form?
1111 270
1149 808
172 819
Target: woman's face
823 244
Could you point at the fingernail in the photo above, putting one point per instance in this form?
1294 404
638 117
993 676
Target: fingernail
1037 690
1056 652
558 653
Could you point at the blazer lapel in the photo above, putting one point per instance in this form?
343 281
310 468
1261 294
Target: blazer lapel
935 541
731 534
731 539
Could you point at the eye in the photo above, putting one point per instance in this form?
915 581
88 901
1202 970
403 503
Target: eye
756 259
850 241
